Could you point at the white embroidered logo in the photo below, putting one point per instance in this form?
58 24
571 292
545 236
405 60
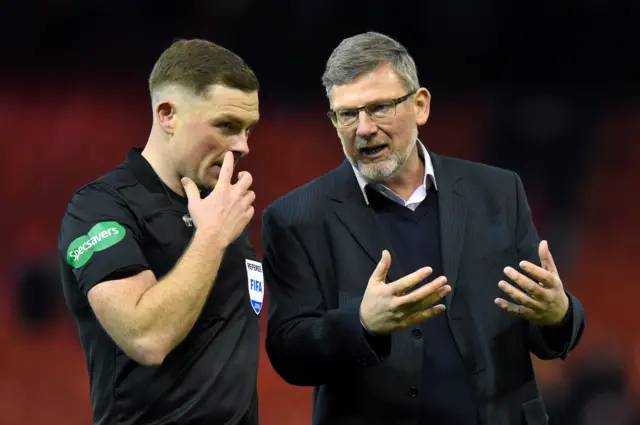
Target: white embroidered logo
255 281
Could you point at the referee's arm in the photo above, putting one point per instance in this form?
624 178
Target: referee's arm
144 316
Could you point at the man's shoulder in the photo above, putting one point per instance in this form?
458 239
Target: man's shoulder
99 200
482 177
475 168
306 202
109 185
98 205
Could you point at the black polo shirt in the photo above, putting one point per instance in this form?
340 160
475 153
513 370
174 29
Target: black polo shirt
119 225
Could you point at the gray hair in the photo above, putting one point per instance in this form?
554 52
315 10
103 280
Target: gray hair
364 53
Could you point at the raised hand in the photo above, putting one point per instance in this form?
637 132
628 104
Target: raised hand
386 308
541 298
227 210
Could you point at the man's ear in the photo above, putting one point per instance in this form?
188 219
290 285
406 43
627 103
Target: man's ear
422 104
166 115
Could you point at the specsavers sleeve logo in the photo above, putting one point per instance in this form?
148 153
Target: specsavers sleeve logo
101 236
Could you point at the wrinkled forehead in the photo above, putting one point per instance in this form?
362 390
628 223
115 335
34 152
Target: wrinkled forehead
379 85
223 101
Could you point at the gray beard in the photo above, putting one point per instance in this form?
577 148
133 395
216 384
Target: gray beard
386 169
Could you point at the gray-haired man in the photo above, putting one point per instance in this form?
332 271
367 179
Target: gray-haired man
389 275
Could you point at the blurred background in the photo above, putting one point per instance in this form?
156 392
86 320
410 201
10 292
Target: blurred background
549 89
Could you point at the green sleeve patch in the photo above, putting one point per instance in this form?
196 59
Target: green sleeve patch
101 236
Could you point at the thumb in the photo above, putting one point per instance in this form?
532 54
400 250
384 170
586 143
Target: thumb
380 273
190 189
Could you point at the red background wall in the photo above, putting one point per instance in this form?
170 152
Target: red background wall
55 140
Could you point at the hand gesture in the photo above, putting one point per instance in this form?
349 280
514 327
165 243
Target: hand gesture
386 308
227 210
541 301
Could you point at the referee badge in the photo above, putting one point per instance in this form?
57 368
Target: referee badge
256 284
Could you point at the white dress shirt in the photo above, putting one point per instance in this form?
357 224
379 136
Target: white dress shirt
416 197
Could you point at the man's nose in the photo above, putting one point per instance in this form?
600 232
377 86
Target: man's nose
240 146
366 126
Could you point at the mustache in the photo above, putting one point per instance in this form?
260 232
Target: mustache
361 142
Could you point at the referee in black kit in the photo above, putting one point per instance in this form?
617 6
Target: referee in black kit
157 267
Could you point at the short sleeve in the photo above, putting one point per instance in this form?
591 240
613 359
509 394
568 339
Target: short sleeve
100 238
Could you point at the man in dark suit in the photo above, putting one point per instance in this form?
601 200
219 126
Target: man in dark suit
405 286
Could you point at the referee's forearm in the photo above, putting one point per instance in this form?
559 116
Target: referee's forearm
167 311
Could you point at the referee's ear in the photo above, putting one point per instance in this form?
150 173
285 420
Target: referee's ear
166 115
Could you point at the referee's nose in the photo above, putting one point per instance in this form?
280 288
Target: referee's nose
240 146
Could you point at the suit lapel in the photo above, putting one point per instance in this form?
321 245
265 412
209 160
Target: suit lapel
452 210
360 220
453 218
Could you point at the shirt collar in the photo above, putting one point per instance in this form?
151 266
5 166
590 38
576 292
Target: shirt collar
146 175
428 172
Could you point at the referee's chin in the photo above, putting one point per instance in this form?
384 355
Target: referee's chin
206 180
209 185
210 178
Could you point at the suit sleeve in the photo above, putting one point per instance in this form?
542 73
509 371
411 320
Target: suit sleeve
99 238
546 342
307 343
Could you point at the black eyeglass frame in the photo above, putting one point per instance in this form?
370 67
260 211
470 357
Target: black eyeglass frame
332 114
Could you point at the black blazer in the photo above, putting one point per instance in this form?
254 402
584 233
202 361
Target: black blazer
321 243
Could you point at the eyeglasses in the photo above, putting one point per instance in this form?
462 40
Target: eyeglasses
377 111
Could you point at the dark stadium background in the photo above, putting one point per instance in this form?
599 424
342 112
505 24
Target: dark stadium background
548 89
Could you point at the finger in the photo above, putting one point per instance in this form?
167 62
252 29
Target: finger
427 294
249 213
423 315
541 275
546 258
520 297
190 189
380 272
245 179
426 301
226 171
249 197
435 297
407 282
533 288
518 310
